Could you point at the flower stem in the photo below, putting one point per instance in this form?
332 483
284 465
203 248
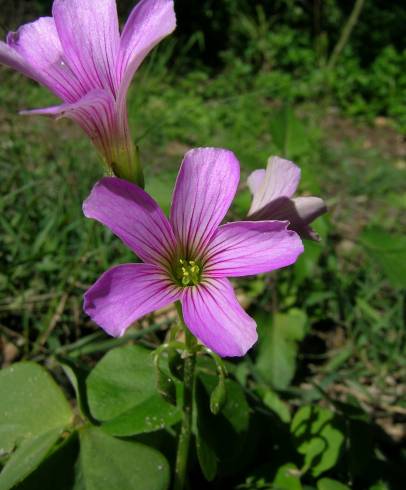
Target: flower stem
187 408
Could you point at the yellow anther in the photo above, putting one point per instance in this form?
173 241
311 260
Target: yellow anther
188 272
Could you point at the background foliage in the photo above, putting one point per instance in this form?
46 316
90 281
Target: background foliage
320 402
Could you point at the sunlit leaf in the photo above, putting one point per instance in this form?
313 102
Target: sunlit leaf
27 458
272 401
276 360
287 478
289 133
388 251
318 436
154 413
31 404
107 463
329 484
122 392
33 414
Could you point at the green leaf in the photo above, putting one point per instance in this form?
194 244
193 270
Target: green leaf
287 478
27 458
306 264
329 484
276 360
318 436
289 133
380 485
56 471
107 463
160 187
122 393
31 404
205 447
206 456
77 377
272 401
388 251
220 438
150 415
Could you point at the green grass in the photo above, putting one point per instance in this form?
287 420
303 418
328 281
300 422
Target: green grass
50 254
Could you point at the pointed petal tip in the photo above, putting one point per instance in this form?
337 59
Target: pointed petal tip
54 112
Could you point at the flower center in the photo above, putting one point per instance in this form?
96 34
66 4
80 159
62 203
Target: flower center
188 272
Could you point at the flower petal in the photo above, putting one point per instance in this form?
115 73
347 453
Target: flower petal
309 207
95 113
281 180
149 22
255 180
213 314
38 45
133 216
90 38
127 292
204 190
251 247
12 59
299 211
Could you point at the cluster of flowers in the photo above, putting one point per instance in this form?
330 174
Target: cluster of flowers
80 56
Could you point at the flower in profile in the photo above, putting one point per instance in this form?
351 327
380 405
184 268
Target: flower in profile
272 190
189 257
80 56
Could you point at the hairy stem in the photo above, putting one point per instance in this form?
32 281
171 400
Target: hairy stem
187 408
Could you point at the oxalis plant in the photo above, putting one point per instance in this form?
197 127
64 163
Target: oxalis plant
186 259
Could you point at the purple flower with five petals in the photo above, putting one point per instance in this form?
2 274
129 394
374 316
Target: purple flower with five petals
79 55
272 191
189 257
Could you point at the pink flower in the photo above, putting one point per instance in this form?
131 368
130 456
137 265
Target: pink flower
79 55
188 257
272 191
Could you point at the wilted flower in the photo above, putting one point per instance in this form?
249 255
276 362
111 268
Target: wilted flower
188 257
272 191
79 55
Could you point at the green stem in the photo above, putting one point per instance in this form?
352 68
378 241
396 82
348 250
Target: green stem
187 408
345 34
